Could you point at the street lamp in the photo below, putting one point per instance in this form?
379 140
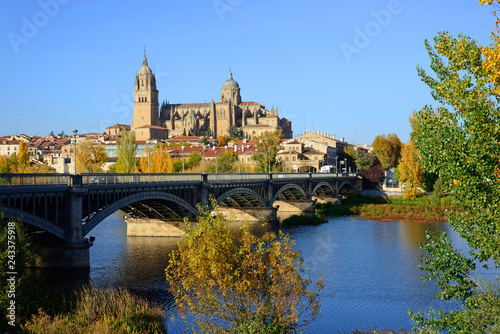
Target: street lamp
336 165
183 159
290 160
74 148
269 170
215 161
309 162
239 161
245 162
203 161
148 141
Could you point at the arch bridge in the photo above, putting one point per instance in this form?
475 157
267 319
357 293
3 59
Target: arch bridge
70 206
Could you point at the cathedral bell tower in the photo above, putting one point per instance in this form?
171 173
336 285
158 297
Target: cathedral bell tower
146 104
230 91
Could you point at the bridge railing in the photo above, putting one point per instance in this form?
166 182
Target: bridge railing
237 177
34 179
96 179
290 176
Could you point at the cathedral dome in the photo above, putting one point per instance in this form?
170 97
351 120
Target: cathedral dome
145 68
230 82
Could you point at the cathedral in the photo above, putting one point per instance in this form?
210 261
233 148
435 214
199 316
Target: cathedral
213 119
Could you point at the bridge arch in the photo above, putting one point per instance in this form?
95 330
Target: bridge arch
136 198
244 198
346 187
36 221
291 190
323 185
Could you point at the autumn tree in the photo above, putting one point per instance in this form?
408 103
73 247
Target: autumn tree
161 161
223 140
388 150
90 157
268 146
232 281
410 171
459 140
126 162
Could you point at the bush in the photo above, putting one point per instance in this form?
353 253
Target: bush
238 282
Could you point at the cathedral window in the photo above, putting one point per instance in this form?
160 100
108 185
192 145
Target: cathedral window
143 82
145 99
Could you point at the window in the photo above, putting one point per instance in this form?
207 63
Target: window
145 99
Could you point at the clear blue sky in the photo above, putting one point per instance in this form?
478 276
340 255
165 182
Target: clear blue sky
72 66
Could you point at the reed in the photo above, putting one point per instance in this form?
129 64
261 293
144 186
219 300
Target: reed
102 311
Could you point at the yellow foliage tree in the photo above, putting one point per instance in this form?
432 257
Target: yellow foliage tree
23 157
491 54
410 171
232 281
161 161
90 157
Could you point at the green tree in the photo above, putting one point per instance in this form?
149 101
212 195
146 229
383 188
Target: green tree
194 160
459 141
126 162
235 132
268 146
52 134
233 281
388 150
184 132
226 163
90 157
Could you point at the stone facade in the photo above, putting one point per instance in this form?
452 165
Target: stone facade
195 119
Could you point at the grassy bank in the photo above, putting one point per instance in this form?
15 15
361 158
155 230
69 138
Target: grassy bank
425 209
101 311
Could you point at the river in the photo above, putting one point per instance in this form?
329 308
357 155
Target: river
370 269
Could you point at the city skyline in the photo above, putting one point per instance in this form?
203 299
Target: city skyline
347 69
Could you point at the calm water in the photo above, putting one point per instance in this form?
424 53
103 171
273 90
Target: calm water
370 269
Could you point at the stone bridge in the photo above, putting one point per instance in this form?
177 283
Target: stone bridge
70 206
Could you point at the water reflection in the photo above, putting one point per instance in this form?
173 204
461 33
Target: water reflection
370 268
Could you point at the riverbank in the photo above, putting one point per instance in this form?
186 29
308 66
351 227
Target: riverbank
423 209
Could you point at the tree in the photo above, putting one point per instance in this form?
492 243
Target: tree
161 161
235 132
223 140
208 133
126 162
409 170
388 149
4 164
52 134
184 132
268 146
23 157
194 160
90 157
226 163
233 281
61 134
459 140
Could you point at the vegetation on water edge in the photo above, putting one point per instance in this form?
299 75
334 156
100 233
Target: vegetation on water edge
426 208
101 311
314 219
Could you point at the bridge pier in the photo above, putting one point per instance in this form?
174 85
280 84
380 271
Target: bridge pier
154 228
64 255
295 206
250 214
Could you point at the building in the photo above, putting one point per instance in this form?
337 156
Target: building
195 119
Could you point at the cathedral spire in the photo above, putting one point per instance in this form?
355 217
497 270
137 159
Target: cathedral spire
230 74
145 60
